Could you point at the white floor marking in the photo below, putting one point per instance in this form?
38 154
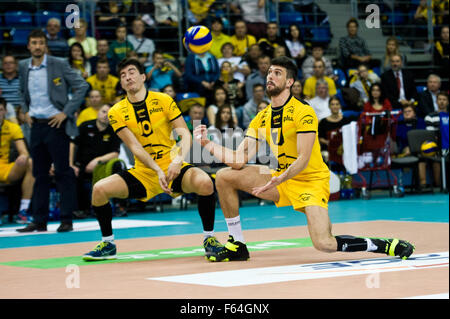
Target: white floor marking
435 296
91 225
256 276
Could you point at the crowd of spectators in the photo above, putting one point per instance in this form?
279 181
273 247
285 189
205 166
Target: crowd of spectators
231 76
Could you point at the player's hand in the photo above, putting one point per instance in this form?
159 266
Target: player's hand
162 178
57 120
173 171
276 180
200 135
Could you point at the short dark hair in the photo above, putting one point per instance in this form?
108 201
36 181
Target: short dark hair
126 62
3 102
443 94
352 20
37 33
288 64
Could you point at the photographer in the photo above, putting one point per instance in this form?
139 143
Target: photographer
161 72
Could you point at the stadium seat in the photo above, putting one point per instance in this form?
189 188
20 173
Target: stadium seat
18 18
420 88
43 16
321 34
342 79
19 36
341 98
288 18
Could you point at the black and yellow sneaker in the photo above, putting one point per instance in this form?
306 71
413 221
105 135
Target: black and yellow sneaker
232 251
395 247
212 246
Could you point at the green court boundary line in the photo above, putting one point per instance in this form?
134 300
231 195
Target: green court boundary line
63 262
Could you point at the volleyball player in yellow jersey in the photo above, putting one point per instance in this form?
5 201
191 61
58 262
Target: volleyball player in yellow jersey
144 121
301 180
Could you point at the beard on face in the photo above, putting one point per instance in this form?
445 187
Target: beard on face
275 91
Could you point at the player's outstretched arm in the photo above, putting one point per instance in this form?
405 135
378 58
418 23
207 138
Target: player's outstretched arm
181 129
235 159
136 148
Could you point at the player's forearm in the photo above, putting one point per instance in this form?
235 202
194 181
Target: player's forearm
225 155
105 158
144 157
185 145
295 168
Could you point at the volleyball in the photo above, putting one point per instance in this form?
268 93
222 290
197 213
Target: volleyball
197 39
429 148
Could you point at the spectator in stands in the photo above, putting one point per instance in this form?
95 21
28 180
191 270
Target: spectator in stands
320 102
50 114
9 81
440 8
57 45
253 13
10 114
271 40
240 39
420 21
103 54
93 106
109 14
258 76
170 90
218 38
239 65
332 122
103 81
427 100
392 48
280 51
398 84
309 88
166 16
316 55
250 109
96 144
144 47
294 43
377 101
77 60
233 86
441 52
432 120
224 130
196 116
363 81
120 46
89 43
353 49
201 71
297 90
220 98
251 57
407 121
199 11
161 72
10 172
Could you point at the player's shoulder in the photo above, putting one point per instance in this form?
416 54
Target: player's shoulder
120 105
11 126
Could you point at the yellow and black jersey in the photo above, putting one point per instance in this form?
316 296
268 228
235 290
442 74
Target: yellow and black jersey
9 132
280 126
149 120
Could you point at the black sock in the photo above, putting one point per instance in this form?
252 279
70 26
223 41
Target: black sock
207 211
104 217
350 243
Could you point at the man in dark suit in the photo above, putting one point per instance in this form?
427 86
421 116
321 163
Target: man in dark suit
44 86
398 84
428 98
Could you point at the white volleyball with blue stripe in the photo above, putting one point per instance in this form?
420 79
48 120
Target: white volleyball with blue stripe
197 39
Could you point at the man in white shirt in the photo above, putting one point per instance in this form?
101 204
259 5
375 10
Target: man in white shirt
320 102
143 46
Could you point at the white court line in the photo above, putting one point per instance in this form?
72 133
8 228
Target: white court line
256 276
435 296
91 225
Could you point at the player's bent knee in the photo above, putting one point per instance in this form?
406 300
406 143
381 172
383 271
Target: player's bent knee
326 246
99 193
205 186
222 176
